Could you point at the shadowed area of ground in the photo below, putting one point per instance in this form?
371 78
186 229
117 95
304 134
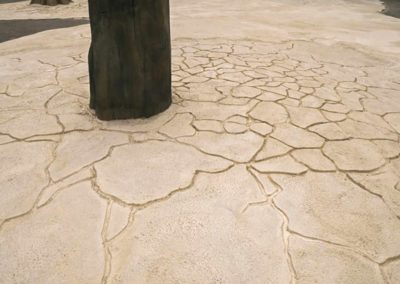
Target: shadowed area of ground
9 1
392 8
12 29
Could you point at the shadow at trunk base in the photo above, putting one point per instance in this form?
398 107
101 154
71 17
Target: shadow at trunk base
392 8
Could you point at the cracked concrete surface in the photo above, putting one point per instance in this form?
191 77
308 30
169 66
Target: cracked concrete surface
278 162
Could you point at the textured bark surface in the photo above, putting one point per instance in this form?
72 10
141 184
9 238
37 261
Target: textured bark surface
129 58
50 2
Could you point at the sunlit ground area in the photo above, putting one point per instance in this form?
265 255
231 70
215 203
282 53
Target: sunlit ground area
278 162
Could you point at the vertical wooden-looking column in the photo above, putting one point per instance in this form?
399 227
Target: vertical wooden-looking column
129 58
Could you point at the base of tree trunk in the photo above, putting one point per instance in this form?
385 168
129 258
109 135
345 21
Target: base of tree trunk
129 58
51 2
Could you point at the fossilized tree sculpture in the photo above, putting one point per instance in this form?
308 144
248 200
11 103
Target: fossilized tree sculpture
129 58
50 2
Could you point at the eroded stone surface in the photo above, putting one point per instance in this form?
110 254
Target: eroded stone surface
153 123
131 179
188 245
394 120
272 148
389 149
51 191
314 159
334 117
235 128
34 99
119 217
44 247
383 182
330 207
319 262
329 131
246 92
386 101
236 147
261 128
5 139
209 125
206 110
311 101
354 155
392 272
371 119
365 131
24 124
297 137
269 112
179 126
71 122
22 180
236 77
304 117
285 164
78 150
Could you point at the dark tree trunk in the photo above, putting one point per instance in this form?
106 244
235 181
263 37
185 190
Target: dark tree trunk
129 58
50 2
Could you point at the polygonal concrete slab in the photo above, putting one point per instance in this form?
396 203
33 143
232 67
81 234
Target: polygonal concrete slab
131 179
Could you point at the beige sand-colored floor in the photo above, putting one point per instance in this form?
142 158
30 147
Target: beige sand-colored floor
278 162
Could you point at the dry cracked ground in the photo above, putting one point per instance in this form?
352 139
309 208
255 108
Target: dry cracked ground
278 162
